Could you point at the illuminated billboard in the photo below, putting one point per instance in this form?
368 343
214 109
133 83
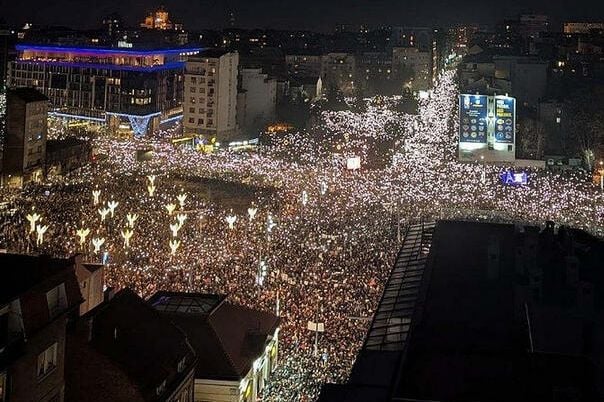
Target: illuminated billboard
505 119
473 113
514 178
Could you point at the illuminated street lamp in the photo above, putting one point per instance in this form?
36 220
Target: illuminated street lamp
170 208
181 200
104 212
82 234
231 221
252 212
112 205
33 218
40 230
174 244
97 243
131 218
127 234
95 196
181 218
174 227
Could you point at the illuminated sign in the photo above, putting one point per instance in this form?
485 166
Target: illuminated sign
505 119
509 177
473 113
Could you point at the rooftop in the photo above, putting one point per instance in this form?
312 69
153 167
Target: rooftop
226 337
27 94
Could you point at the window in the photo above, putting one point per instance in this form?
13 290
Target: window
199 121
161 388
191 110
193 89
181 364
56 300
191 120
47 360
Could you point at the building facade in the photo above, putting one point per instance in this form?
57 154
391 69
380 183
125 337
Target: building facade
38 294
26 133
210 99
418 63
338 71
238 346
256 101
131 91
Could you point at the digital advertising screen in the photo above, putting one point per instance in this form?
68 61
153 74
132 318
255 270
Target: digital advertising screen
473 113
505 119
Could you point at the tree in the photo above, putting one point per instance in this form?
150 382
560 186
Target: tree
585 125
532 138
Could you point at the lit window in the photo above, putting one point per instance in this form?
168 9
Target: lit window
47 360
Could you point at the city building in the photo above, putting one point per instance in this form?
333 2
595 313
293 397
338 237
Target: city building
256 101
305 65
124 350
38 295
210 99
415 65
64 156
485 312
24 152
237 346
91 277
583 27
160 19
338 72
133 91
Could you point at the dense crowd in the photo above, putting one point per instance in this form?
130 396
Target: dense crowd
321 242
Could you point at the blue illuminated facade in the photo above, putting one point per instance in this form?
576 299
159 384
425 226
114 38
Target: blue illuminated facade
141 87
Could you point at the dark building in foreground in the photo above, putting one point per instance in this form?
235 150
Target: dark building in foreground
486 312
123 350
237 346
38 295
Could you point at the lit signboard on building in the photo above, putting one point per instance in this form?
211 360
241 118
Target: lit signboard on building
353 163
473 111
505 119
511 178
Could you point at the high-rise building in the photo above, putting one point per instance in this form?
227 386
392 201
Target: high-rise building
133 91
26 132
210 96
256 101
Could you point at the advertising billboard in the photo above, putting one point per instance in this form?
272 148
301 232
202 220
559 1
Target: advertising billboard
505 119
473 113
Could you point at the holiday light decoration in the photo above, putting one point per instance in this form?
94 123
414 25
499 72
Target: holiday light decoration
181 218
252 212
181 200
174 228
82 234
151 190
131 218
174 245
231 221
32 219
112 205
40 230
104 212
127 234
96 194
97 242
170 208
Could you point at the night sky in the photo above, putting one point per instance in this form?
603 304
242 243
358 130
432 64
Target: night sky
309 14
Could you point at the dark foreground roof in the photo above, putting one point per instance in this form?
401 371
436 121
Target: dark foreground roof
126 337
226 337
501 313
21 272
27 94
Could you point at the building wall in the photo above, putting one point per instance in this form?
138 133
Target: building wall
260 100
338 70
26 133
303 65
418 61
25 385
210 100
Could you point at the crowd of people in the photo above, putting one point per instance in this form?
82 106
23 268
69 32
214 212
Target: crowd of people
315 245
